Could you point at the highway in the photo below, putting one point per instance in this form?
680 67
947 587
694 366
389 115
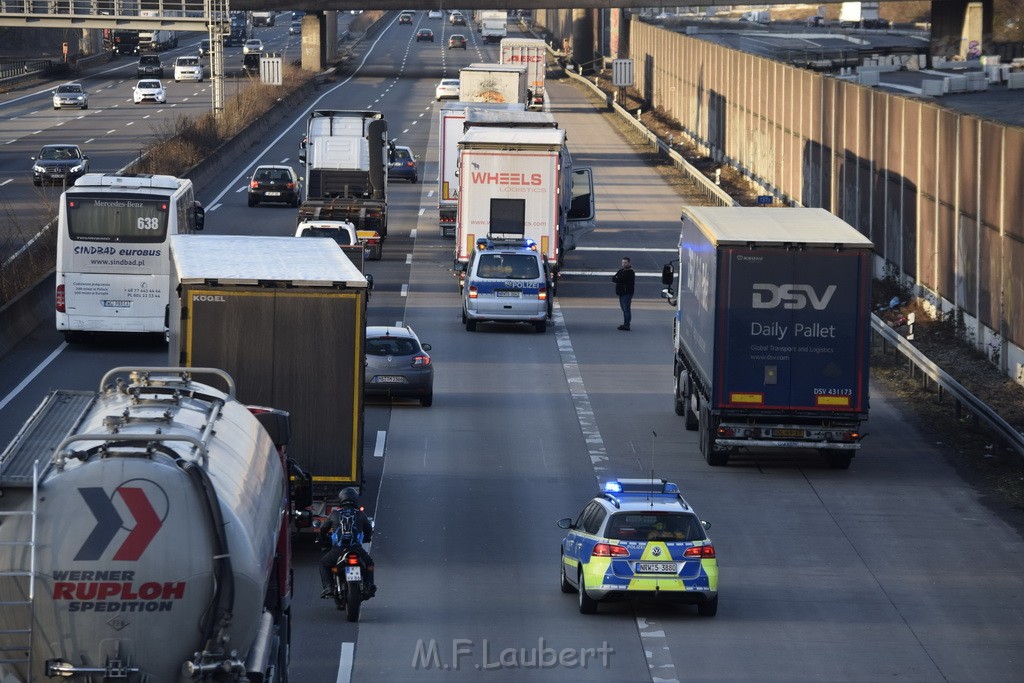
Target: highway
892 570
112 131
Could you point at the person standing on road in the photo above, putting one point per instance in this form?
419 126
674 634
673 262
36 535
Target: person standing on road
625 279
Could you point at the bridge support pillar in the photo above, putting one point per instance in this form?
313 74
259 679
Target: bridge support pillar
961 28
319 40
583 40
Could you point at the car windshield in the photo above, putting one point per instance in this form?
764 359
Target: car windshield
508 266
69 89
341 237
655 526
390 346
149 85
450 83
188 61
59 153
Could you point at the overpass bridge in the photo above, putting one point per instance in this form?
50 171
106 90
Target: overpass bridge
955 23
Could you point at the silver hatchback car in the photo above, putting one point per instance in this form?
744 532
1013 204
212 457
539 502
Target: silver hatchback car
398 365
70 95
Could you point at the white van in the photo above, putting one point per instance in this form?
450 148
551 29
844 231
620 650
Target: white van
188 69
507 280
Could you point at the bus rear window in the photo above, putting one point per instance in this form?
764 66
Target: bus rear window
134 218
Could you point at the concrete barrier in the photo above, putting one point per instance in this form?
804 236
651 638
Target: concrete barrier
22 315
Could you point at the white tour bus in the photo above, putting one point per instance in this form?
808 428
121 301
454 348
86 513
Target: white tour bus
113 260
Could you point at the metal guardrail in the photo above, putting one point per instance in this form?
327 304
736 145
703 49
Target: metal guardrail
707 186
963 399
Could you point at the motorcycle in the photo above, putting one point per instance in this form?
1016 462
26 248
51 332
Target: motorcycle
350 584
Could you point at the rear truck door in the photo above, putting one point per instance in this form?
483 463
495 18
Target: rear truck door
580 219
795 330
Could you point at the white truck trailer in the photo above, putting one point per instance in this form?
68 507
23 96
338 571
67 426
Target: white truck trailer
452 119
493 25
518 182
533 54
494 83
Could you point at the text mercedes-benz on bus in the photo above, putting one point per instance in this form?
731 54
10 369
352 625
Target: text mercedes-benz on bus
113 261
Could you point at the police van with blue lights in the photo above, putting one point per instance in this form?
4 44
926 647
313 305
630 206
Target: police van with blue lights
506 280
639 537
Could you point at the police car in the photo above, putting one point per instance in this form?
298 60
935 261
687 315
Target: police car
507 280
639 537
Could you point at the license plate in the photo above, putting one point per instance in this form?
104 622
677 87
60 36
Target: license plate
512 294
56 175
273 194
117 303
389 379
655 568
798 433
353 574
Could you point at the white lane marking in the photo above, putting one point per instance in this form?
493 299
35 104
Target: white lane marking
656 651
408 257
405 131
112 130
37 132
88 141
659 657
243 188
580 399
412 234
430 193
32 375
640 249
214 207
423 211
405 290
11 180
130 123
346 662
378 448
609 273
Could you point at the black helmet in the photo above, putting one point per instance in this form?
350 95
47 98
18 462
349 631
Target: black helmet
348 495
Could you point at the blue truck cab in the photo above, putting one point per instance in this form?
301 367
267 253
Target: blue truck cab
506 280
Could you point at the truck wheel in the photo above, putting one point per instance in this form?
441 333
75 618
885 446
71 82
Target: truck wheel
689 417
470 325
838 459
677 394
542 326
707 441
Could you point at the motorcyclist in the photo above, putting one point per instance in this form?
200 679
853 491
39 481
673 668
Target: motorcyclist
362 533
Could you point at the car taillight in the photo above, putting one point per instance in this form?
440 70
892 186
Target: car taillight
253 185
542 293
290 186
608 550
701 551
353 559
60 299
420 361
473 293
410 163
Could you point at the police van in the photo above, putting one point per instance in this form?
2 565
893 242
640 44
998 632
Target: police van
506 280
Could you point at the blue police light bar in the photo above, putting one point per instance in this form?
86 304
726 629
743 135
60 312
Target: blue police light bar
613 487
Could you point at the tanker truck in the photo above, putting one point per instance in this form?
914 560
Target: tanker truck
146 534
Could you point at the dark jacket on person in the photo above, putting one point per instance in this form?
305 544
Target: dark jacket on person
624 280
362 526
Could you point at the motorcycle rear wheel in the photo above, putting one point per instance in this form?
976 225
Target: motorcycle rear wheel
353 600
